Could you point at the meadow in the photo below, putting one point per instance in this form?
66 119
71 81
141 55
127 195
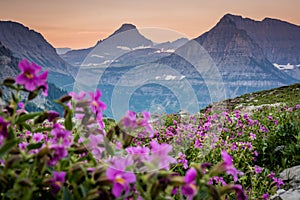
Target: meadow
233 149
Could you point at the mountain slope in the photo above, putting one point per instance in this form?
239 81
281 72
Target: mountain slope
8 63
285 95
76 57
279 40
26 43
9 68
123 40
239 57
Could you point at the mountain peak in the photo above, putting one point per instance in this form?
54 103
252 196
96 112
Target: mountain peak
227 19
125 27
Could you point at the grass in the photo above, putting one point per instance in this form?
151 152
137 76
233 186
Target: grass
286 95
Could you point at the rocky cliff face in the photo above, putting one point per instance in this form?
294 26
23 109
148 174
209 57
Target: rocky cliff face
279 40
8 63
238 56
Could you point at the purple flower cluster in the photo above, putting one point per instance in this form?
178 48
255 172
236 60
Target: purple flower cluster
157 154
182 159
216 180
95 104
278 181
61 140
160 155
139 153
131 122
94 145
97 107
257 169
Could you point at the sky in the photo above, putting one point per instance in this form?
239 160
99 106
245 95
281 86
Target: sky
81 23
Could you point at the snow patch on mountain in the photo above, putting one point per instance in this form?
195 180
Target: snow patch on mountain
124 48
285 67
141 47
169 77
165 51
97 56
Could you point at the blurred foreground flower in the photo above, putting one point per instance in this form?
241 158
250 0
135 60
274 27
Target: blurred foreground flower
189 188
29 77
228 166
3 127
119 176
57 181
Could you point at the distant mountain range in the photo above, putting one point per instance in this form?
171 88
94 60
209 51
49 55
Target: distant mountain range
125 39
238 55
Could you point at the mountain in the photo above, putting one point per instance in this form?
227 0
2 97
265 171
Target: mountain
222 63
229 60
279 40
61 51
9 68
8 63
171 45
239 57
125 39
76 57
26 43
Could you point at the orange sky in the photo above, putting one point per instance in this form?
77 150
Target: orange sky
80 23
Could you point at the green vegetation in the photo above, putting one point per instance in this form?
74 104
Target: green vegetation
286 95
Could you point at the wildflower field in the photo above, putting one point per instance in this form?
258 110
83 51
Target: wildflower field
218 153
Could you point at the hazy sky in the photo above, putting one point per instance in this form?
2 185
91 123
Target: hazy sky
80 23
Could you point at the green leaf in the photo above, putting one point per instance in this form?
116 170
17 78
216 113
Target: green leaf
41 118
84 190
68 120
8 145
32 95
11 133
8 81
15 99
64 99
108 148
25 117
27 126
67 194
34 146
